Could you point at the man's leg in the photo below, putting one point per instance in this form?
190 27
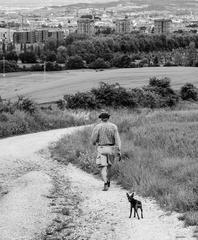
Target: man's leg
104 173
104 177
111 159
108 174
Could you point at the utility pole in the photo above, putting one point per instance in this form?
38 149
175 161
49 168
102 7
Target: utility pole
4 66
3 48
44 69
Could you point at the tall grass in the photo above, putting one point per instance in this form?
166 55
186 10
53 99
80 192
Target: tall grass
159 150
21 122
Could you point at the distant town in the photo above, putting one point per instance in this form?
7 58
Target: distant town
33 28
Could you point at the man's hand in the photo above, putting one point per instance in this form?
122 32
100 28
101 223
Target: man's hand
119 156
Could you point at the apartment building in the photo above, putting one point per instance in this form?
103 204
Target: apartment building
37 36
123 25
57 35
162 26
85 26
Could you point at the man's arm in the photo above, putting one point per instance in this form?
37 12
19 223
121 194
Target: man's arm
94 136
117 139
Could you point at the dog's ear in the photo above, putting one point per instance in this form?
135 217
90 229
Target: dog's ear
128 196
132 195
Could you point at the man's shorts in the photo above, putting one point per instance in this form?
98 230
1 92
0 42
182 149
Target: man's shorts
105 156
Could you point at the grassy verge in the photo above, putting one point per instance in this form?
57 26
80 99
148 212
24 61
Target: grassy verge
159 151
21 122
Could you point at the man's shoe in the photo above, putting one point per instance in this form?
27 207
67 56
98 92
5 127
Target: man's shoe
105 187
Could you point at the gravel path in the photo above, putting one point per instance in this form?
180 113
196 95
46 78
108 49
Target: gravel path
26 208
105 214
26 178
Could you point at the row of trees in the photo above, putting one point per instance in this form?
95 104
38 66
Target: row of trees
115 50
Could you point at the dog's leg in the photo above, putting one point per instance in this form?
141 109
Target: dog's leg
130 211
141 212
136 209
134 213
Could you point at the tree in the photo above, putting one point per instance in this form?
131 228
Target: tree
51 45
8 66
27 57
75 62
12 56
156 61
51 56
61 54
99 63
122 61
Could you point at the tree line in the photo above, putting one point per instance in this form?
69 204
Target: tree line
114 50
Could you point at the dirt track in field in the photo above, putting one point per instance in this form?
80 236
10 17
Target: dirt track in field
28 204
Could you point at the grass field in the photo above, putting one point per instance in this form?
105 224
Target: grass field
54 85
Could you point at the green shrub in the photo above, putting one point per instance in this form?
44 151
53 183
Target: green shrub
7 106
26 105
27 57
112 95
84 100
99 63
162 87
189 92
157 94
50 66
75 62
121 61
8 66
37 67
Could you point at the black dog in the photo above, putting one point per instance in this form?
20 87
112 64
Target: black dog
135 204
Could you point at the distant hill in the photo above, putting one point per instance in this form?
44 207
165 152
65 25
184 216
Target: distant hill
152 4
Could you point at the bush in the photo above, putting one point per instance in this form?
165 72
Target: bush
50 66
84 100
99 63
22 104
189 92
37 67
75 62
27 57
122 61
7 107
113 95
8 66
26 105
61 104
161 87
157 94
159 83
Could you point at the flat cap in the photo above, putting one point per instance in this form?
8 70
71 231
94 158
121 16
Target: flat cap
104 115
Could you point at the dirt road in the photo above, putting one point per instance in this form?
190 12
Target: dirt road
27 208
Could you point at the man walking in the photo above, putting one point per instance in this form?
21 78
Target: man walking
105 135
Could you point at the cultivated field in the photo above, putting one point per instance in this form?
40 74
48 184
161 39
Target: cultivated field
53 85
